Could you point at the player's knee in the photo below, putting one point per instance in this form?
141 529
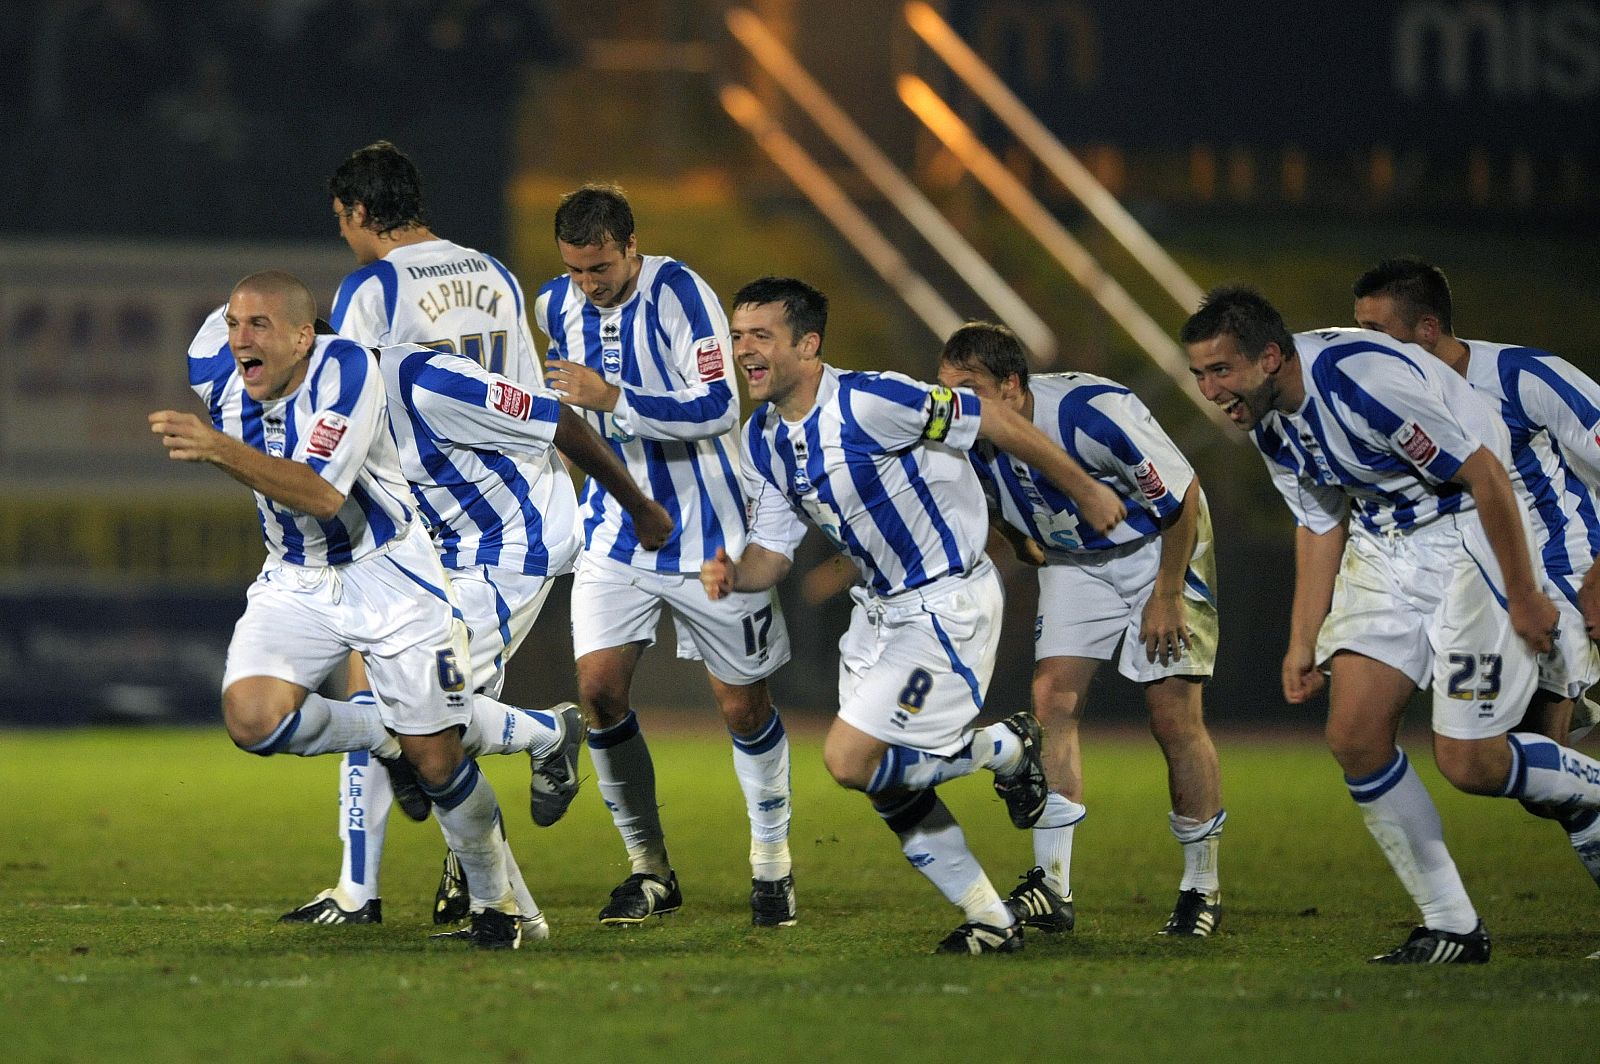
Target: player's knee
1473 767
250 720
847 768
435 757
746 710
1176 726
1358 753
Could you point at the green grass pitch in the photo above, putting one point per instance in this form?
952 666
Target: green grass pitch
141 873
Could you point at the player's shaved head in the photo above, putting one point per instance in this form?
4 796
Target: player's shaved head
298 304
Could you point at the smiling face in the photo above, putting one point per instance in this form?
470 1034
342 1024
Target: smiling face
1245 389
605 273
269 348
777 368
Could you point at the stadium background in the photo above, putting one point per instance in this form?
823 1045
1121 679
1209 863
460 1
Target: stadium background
155 154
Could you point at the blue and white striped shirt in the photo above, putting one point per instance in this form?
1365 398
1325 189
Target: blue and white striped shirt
334 422
877 467
667 349
1384 427
444 296
477 449
1111 434
1553 413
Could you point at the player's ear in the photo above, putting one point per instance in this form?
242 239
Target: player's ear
809 345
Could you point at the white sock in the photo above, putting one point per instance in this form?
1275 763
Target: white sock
1546 773
1199 839
469 816
324 726
1583 831
1052 841
761 762
932 841
526 906
1406 824
498 728
627 780
364 801
903 768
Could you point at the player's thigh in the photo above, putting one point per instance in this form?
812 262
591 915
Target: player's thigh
500 607
404 619
927 669
1484 674
1384 598
1081 614
741 637
289 631
613 605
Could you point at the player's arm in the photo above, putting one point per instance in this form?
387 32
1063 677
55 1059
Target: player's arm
757 569
1163 627
1025 547
292 485
1533 615
1564 401
583 446
1316 567
1017 436
775 532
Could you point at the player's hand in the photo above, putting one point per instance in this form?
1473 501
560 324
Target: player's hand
1163 629
1302 680
652 524
1028 551
580 386
716 575
1534 617
185 436
1589 603
1103 509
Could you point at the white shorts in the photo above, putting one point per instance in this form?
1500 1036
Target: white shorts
1092 600
741 638
1429 604
913 670
500 607
394 607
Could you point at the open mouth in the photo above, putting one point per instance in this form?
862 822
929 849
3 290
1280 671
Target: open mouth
755 374
1232 406
251 369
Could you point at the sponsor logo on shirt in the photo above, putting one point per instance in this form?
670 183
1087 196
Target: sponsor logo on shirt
510 400
1149 480
1417 444
326 432
708 358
